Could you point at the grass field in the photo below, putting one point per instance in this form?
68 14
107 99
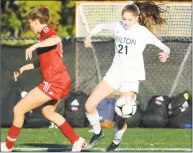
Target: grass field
134 140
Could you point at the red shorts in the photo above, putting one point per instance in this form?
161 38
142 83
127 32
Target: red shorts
56 89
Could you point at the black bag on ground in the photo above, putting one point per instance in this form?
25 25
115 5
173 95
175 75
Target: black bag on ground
8 101
75 109
183 120
106 110
180 110
135 120
33 119
179 104
156 115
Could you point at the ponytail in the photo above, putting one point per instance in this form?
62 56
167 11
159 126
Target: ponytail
150 15
42 14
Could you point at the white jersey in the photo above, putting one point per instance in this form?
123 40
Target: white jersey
129 47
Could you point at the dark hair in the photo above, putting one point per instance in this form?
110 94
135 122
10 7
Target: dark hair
149 14
42 14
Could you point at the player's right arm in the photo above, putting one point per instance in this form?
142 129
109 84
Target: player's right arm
95 30
26 67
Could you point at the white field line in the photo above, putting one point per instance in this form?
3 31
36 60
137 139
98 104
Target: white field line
103 149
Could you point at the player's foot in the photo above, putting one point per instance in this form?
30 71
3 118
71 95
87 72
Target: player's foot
4 147
79 145
94 139
112 147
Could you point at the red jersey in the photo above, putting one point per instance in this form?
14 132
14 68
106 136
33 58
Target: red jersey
53 70
51 63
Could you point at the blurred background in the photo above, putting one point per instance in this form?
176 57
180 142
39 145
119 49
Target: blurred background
14 17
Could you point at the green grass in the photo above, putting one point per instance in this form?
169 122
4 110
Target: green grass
133 138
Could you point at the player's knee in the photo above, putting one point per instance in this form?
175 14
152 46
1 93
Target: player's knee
18 111
89 107
47 112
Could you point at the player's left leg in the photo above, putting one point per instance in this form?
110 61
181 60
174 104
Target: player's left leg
129 89
49 112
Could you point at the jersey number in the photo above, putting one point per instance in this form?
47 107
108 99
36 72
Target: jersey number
122 49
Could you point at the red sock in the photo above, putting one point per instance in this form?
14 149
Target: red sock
67 130
12 136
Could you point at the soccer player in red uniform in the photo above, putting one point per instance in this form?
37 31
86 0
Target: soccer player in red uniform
55 85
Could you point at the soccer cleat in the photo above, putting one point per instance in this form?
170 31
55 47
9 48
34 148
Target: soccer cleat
94 139
112 147
4 147
79 145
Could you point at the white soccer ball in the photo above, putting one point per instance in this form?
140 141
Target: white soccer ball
125 107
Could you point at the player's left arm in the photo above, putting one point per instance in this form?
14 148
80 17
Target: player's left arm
50 41
152 39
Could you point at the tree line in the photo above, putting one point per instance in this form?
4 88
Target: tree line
14 16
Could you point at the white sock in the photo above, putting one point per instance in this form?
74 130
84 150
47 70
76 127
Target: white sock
95 122
118 134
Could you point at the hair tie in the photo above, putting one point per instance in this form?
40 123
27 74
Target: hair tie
43 8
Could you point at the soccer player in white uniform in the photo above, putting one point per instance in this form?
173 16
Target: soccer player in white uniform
131 35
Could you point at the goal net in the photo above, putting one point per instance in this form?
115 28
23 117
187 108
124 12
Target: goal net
169 78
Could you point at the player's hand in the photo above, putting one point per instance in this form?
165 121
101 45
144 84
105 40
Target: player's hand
87 41
163 56
16 75
28 52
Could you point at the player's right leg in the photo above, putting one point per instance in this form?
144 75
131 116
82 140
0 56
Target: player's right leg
102 90
49 112
120 128
128 89
33 99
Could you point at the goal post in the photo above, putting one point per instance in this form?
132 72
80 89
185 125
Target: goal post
177 15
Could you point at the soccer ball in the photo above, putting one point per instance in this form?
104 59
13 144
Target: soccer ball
125 107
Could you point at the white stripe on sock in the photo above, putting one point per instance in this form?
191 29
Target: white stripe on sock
11 139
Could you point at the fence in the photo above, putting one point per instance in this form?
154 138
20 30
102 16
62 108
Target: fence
168 78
